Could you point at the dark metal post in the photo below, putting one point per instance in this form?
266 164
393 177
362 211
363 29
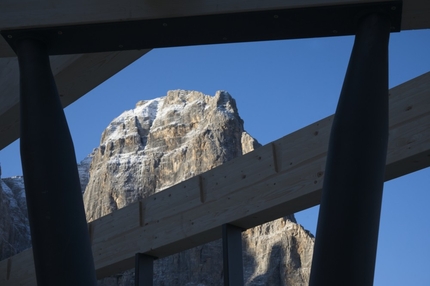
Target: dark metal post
232 255
61 244
144 270
348 223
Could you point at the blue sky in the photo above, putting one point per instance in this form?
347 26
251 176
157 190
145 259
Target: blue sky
279 86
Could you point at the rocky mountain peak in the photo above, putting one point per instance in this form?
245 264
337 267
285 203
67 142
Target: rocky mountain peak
170 139
128 132
160 143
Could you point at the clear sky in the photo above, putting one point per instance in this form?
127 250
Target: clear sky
279 86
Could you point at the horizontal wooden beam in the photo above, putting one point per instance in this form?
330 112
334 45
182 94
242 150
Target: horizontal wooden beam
275 180
75 75
19 14
52 15
235 26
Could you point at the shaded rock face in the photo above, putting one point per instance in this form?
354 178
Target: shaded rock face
170 139
84 171
14 228
277 253
14 225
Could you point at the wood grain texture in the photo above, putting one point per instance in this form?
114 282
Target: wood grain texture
75 75
246 191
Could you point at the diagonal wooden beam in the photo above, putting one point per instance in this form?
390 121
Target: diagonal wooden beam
275 180
75 75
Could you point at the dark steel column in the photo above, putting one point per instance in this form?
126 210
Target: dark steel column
348 223
144 270
232 255
61 244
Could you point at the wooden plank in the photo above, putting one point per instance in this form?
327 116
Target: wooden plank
415 14
172 201
75 75
9 77
284 177
17 14
308 140
409 141
288 20
27 14
30 14
279 24
237 174
114 224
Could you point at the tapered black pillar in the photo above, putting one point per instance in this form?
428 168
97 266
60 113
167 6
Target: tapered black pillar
144 270
232 255
348 223
61 244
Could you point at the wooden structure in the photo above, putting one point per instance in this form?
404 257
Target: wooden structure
290 170
275 180
75 75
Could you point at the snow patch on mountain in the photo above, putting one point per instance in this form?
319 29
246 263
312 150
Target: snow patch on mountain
145 111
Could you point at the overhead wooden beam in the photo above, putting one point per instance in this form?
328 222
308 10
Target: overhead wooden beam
75 75
226 22
275 180
19 14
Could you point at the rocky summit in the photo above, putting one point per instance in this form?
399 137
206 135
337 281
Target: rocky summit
158 144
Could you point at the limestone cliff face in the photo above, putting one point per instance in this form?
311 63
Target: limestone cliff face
160 143
170 139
